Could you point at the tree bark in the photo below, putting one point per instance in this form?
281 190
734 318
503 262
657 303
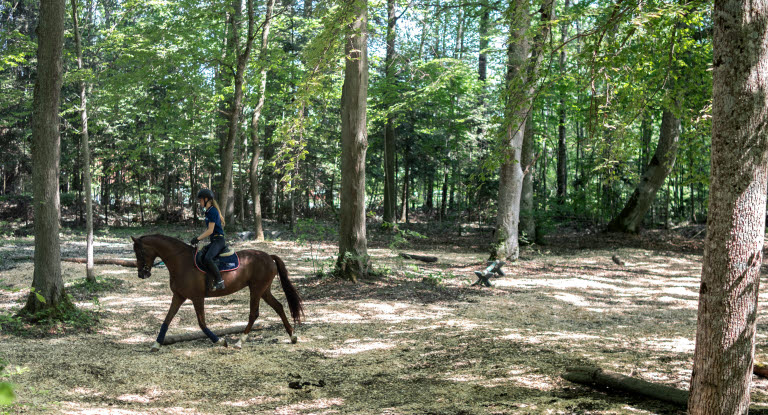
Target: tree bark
733 249
390 193
258 228
562 172
242 55
630 219
527 220
521 72
46 150
86 152
353 258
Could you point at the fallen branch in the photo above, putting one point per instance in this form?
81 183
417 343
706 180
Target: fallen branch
104 261
760 369
592 376
419 257
200 335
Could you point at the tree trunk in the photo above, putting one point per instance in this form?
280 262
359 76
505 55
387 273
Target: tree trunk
733 249
521 72
86 152
226 201
406 181
353 258
390 194
527 220
46 149
631 217
562 172
255 193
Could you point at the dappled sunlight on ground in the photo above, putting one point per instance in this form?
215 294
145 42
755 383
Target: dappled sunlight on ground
417 339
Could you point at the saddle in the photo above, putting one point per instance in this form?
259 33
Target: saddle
226 261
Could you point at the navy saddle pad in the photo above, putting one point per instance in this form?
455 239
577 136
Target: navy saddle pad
226 261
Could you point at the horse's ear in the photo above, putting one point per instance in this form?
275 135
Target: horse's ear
134 239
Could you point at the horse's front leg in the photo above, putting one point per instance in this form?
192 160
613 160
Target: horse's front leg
199 304
176 302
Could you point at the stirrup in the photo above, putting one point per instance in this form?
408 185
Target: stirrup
218 285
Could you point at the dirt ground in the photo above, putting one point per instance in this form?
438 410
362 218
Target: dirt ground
417 340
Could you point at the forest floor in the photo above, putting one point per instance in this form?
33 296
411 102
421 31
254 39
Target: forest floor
418 339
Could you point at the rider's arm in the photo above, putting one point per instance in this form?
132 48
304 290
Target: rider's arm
207 232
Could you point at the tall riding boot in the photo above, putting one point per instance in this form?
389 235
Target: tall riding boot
218 283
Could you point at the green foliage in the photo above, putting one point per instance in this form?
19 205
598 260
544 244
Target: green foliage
7 395
60 319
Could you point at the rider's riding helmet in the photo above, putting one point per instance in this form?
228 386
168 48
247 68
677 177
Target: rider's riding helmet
205 194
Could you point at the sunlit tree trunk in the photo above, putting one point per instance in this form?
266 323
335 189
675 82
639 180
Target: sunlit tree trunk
390 192
521 73
733 249
46 149
86 152
631 217
242 54
353 258
258 228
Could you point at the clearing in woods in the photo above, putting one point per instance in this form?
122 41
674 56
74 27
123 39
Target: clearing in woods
417 339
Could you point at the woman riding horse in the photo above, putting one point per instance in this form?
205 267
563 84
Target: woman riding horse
257 270
214 223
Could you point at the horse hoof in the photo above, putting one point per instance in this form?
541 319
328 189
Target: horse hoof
222 342
238 345
155 347
294 339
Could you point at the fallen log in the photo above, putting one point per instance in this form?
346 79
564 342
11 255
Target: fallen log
104 261
419 257
200 335
593 376
760 369
97 261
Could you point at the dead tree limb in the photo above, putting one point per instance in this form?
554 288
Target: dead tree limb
200 335
592 376
419 257
760 369
104 261
98 261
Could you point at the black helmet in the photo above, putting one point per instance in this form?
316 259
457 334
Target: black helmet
205 194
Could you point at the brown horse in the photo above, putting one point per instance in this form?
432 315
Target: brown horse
257 270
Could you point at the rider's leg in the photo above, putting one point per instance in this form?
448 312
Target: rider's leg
213 249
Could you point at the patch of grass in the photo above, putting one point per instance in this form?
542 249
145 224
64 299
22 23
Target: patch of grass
65 318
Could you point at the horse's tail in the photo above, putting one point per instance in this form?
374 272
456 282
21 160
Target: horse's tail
294 300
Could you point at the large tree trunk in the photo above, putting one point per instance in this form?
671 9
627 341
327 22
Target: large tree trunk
46 149
353 258
631 217
521 73
390 194
86 152
255 192
733 250
226 201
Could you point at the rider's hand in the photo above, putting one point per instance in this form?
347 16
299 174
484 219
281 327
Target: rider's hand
194 241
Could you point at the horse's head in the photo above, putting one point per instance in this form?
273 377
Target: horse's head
145 257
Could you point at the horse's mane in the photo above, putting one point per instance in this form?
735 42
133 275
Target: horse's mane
176 241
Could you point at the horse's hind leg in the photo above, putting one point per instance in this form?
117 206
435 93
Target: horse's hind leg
272 301
176 302
199 304
255 299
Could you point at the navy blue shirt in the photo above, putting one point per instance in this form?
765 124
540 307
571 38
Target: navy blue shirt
212 216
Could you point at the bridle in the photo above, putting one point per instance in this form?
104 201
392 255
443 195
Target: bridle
145 271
